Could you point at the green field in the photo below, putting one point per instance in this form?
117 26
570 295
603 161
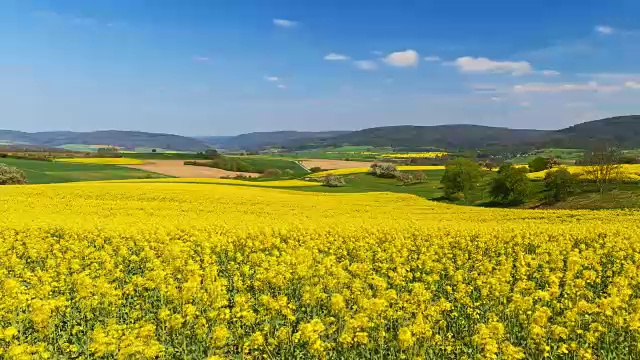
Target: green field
565 156
46 172
338 153
261 163
162 156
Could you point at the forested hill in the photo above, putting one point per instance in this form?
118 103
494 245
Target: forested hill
623 131
127 139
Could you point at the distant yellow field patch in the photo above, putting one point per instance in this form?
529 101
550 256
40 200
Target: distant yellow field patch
276 183
360 170
104 161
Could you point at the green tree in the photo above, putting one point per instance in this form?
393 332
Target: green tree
10 175
539 164
511 185
461 176
560 183
211 153
602 166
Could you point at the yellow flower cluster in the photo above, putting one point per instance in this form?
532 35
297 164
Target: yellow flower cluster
106 161
193 271
360 170
428 155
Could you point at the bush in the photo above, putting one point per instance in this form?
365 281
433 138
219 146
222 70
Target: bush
539 164
333 181
315 169
489 165
511 185
405 178
560 183
383 170
628 159
288 173
272 173
11 176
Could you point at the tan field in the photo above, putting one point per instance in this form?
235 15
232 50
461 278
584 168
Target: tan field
178 169
334 164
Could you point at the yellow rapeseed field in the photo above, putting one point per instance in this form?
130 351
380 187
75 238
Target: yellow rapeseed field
360 170
273 183
106 161
204 271
630 171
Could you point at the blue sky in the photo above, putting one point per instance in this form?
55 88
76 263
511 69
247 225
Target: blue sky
219 67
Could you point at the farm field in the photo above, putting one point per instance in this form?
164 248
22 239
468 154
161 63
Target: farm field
107 161
262 163
325 164
359 170
177 168
564 156
631 172
47 172
196 271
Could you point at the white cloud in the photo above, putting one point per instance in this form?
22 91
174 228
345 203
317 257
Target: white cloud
198 58
376 52
336 57
525 104
272 78
550 73
367 65
632 84
496 99
485 65
282 86
545 87
285 23
403 58
605 30
432 58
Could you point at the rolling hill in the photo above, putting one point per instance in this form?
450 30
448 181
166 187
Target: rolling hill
261 140
622 131
442 136
126 139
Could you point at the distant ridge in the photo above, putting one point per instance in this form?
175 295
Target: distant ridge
261 140
127 139
622 131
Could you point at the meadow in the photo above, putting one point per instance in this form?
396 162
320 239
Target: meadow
105 161
48 172
194 271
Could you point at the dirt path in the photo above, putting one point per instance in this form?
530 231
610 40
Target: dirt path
178 169
333 164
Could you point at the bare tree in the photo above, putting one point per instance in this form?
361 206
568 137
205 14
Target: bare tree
602 167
